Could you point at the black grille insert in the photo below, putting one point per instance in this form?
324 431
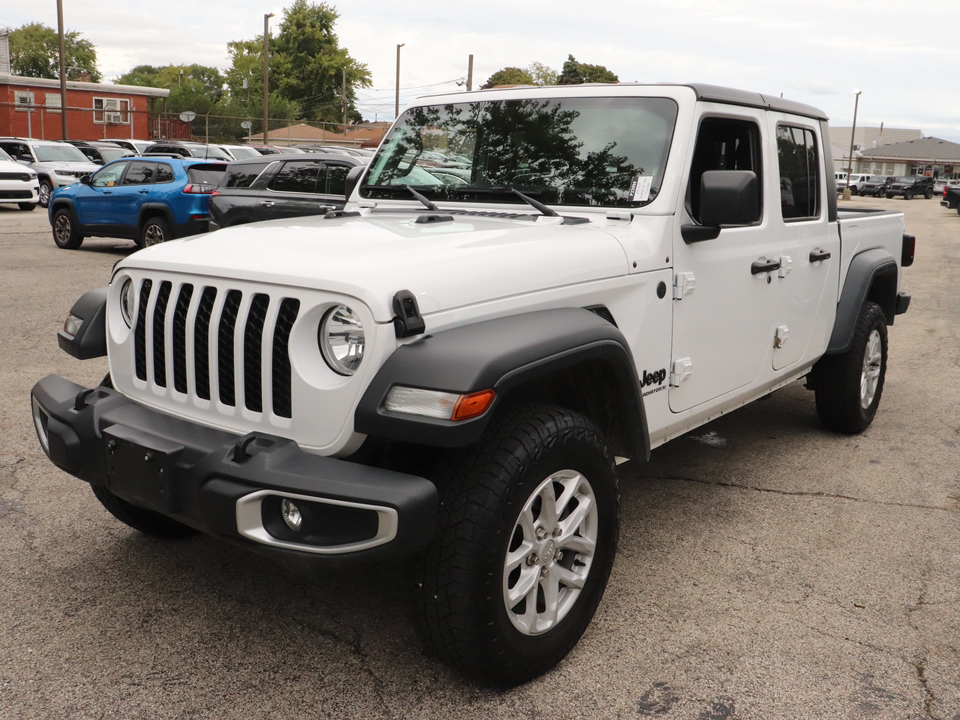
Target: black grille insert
140 332
159 341
201 342
282 404
252 352
228 326
180 338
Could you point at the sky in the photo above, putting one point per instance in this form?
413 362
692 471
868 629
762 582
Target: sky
902 57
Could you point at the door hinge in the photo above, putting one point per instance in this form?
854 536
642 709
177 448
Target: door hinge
682 369
684 284
780 337
786 265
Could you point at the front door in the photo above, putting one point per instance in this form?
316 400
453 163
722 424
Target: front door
724 309
95 202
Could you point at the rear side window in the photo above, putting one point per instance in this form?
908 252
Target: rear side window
139 173
297 177
335 181
164 173
242 176
799 173
206 174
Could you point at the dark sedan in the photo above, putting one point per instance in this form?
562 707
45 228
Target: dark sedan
280 186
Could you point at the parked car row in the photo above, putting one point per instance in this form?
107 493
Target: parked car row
889 186
57 164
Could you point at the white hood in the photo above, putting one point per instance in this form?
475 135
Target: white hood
446 265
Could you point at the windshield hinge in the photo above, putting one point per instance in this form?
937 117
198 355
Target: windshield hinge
408 321
684 283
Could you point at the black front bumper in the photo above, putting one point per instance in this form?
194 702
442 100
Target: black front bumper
230 486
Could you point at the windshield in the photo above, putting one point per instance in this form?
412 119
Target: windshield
59 153
238 151
905 179
114 153
209 152
4 156
561 151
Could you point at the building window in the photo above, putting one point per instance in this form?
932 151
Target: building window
53 102
111 111
24 99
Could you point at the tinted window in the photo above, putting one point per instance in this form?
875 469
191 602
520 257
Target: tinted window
297 177
164 173
242 176
206 174
335 182
799 172
109 176
140 173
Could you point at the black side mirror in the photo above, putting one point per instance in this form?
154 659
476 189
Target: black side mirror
727 197
352 179
25 158
84 179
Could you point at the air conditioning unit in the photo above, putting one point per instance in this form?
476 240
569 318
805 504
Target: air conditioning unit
114 117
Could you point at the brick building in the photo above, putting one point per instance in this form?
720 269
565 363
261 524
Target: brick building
31 107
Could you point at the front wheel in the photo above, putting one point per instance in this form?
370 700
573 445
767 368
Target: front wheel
525 541
65 233
848 386
928 194
907 195
890 196
27 206
46 190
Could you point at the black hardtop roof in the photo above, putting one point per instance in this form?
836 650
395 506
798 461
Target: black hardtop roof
704 92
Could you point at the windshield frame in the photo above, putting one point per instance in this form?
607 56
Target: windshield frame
599 170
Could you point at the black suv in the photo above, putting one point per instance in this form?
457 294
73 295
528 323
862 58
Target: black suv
876 185
280 186
911 185
99 152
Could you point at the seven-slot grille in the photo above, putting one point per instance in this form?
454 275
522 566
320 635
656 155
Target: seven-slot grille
212 330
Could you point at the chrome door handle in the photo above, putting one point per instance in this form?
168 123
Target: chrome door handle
328 208
267 203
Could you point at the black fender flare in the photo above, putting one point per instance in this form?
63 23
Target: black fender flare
69 205
872 275
149 209
508 355
91 339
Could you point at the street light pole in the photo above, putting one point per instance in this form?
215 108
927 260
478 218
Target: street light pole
396 110
266 72
853 133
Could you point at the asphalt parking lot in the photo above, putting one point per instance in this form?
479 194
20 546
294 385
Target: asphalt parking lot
767 568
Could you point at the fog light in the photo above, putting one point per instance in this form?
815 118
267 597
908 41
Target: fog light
72 325
291 515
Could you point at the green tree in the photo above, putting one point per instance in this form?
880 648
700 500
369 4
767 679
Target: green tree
309 67
509 76
575 73
542 74
35 52
192 87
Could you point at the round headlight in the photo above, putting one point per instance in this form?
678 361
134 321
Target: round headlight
127 301
342 339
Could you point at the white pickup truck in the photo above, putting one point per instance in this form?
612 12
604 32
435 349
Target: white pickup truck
529 287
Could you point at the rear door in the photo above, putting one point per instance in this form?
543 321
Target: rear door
292 191
808 245
237 199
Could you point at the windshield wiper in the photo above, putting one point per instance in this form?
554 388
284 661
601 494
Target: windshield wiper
508 191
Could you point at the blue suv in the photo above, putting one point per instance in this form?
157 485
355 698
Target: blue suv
145 199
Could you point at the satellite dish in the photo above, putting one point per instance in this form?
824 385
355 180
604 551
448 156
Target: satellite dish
187 116
246 124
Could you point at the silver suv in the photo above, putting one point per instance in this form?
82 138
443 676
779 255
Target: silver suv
57 163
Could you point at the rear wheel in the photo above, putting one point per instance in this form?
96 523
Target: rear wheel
65 233
848 386
526 536
154 231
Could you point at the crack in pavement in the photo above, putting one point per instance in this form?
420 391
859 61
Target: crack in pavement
803 493
920 665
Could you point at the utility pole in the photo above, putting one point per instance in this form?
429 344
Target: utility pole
470 74
856 105
396 110
63 69
344 101
266 73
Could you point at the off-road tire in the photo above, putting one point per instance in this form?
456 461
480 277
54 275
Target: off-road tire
908 195
839 380
461 578
890 196
65 233
155 230
928 194
148 522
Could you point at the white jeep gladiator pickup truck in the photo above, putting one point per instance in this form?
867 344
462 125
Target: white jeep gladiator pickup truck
529 287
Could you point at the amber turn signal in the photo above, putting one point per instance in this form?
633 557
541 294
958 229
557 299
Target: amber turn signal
473 405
